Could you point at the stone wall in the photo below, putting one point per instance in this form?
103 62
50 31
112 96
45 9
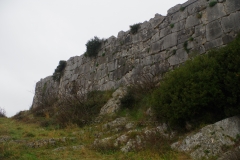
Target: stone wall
161 43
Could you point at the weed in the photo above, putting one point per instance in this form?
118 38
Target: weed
174 51
212 3
182 8
191 39
171 25
103 54
199 15
185 46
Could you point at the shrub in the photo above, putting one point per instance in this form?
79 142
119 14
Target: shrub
93 46
134 28
182 8
212 3
58 73
205 89
172 25
2 112
80 108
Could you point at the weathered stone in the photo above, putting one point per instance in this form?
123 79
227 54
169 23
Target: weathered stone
232 5
213 44
215 12
165 31
213 30
113 104
156 20
210 139
174 9
169 41
197 6
231 23
200 30
178 16
178 26
192 21
227 39
179 57
184 35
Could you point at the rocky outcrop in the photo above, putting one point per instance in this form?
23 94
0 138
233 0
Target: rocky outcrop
211 140
160 44
113 104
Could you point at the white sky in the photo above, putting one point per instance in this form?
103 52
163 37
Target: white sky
36 34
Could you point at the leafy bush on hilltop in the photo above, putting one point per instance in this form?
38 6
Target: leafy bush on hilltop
204 89
93 46
134 28
59 71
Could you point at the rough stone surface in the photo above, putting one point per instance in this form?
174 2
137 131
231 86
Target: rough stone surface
210 140
114 103
122 60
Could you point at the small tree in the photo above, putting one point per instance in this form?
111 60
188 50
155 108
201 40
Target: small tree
59 70
134 28
93 46
2 112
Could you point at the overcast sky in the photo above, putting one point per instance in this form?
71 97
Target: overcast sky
36 34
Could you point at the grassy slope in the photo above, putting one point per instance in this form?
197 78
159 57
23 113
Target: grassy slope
20 134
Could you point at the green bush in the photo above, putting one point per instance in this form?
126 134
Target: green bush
134 28
203 90
58 73
93 46
212 3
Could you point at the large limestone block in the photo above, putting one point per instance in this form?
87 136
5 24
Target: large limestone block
178 26
185 34
192 21
210 140
215 12
200 30
156 20
174 9
169 41
180 15
180 57
232 5
197 6
213 30
231 23
213 44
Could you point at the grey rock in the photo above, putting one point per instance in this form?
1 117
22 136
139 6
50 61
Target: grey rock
213 30
169 41
174 9
215 12
232 5
210 139
192 21
113 104
213 44
231 23
180 56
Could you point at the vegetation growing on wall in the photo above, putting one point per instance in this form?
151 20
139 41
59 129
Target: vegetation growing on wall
58 73
134 28
2 112
93 46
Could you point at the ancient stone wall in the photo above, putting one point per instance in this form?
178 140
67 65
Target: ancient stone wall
161 43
